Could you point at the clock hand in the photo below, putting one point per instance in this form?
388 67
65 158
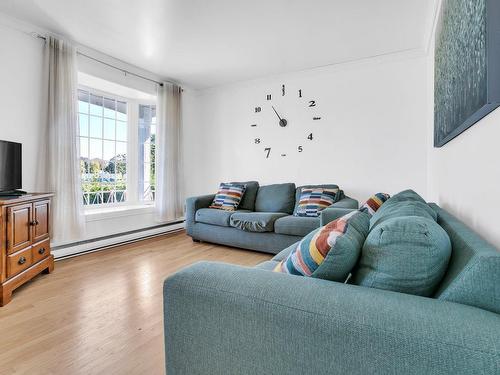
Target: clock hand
276 112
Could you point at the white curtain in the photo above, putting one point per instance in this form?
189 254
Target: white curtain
169 198
62 146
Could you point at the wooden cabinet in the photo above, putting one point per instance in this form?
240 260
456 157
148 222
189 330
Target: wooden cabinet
41 220
25 242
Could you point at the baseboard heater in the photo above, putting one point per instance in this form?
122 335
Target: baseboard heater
106 242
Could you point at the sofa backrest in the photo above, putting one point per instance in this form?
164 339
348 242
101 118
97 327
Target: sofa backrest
248 200
473 274
324 186
276 198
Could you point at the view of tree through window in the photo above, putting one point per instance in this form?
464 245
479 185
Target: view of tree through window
103 148
147 134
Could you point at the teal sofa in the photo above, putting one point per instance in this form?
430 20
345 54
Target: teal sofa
263 222
226 319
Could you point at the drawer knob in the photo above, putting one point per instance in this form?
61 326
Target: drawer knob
33 223
41 250
21 260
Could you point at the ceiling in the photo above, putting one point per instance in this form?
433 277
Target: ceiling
205 43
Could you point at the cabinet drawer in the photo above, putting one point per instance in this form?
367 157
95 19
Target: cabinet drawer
19 262
40 250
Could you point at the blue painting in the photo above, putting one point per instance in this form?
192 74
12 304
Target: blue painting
461 71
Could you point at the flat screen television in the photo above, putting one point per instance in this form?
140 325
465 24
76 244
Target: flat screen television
10 166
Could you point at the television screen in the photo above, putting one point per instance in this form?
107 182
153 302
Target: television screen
10 166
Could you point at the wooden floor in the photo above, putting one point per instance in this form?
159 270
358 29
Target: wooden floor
101 313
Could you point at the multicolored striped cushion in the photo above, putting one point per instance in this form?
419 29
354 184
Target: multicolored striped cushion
228 197
373 203
329 252
313 200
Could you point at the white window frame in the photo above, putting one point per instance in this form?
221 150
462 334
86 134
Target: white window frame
133 201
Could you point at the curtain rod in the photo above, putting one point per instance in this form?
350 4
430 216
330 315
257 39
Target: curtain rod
124 71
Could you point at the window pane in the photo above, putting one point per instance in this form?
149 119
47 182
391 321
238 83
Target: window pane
83 101
147 130
121 111
95 149
84 165
108 150
109 128
83 120
147 152
109 108
121 148
95 105
84 147
121 131
96 127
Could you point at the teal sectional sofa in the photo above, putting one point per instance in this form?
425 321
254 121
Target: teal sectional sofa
264 221
227 319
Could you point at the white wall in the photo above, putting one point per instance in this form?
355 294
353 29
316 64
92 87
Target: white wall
463 175
372 135
23 99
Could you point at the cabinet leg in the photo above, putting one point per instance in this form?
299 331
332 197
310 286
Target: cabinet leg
50 268
5 296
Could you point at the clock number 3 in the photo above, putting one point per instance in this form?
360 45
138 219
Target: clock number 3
268 150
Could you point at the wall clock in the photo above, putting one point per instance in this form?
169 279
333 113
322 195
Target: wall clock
280 112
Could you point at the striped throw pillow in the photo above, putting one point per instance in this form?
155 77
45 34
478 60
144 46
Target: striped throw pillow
329 252
228 197
313 200
373 203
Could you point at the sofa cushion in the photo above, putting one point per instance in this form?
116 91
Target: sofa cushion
374 203
215 216
298 192
473 275
286 252
276 198
255 221
295 225
329 252
248 200
228 197
404 254
406 203
314 200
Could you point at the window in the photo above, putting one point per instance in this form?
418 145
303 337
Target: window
117 148
147 134
103 148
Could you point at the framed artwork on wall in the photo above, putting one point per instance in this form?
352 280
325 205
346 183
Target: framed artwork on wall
467 66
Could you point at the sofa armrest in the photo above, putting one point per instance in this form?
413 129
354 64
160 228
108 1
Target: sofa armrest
193 204
346 202
333 213
222 318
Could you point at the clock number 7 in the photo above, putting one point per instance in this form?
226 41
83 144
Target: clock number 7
268 150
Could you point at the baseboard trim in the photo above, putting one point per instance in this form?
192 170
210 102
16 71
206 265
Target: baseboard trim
103 243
